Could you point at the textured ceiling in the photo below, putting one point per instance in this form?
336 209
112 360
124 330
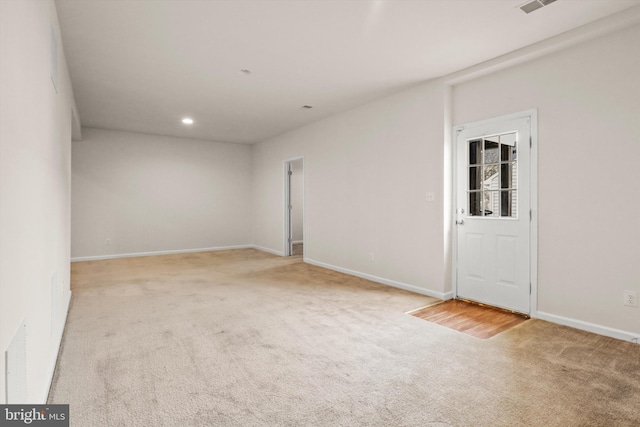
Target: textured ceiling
143 65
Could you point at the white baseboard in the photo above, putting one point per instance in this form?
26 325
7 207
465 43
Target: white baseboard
297 242
589 327
395 284
178 251
263 249
52 368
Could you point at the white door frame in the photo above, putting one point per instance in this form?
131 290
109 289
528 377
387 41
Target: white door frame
532 114
286 192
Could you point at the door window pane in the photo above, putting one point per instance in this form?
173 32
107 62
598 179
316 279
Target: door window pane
475 152
508 146
474 203
491 203
508 203
475 177
490 181
506 175
491 153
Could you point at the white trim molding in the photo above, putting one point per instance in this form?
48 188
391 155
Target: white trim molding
58 344
395 284
268 250
178 251
589 327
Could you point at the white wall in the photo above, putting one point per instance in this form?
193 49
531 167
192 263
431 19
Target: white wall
297 193
151 193
35 180
588 100
367 172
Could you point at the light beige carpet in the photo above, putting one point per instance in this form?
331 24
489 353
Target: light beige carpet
244 338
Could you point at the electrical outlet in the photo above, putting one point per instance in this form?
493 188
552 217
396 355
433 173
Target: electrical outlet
630 298
107 242
372 256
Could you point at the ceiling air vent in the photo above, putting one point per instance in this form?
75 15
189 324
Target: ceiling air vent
535 5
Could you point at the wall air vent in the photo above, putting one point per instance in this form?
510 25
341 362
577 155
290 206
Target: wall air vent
535 5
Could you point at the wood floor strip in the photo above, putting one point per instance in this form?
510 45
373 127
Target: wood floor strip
477 320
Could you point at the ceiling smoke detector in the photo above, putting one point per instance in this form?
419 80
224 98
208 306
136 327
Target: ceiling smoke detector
535 5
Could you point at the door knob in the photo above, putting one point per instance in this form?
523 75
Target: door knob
461 222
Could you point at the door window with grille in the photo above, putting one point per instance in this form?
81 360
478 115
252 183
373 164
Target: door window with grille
493 176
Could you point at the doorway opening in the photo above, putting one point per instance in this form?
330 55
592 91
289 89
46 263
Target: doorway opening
495 212
294 207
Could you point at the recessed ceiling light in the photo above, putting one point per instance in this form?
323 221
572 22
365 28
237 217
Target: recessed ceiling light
307 107
187 121
245 71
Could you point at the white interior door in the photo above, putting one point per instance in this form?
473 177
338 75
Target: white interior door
493 202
